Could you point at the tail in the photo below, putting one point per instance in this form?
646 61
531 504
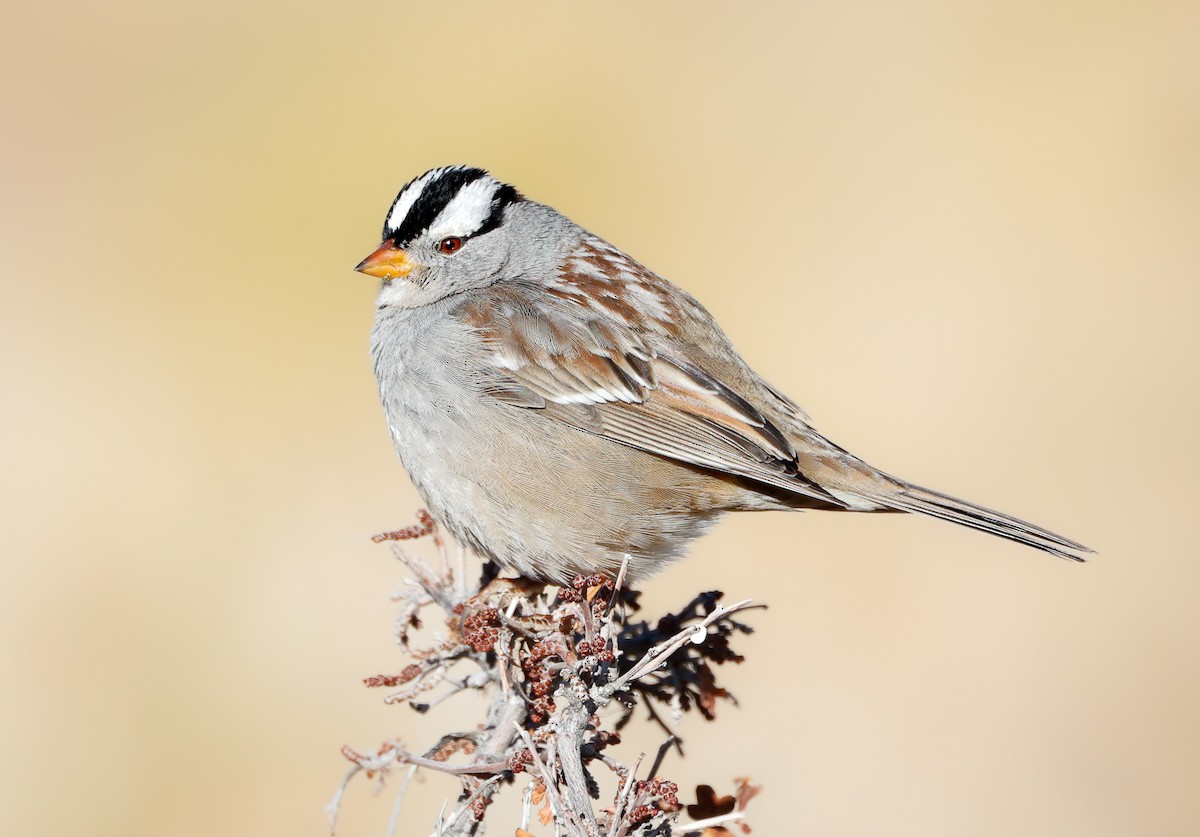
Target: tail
902 496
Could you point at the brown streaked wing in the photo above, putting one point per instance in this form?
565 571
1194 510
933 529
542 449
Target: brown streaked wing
577 364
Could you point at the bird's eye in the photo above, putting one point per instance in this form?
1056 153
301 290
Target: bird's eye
449 245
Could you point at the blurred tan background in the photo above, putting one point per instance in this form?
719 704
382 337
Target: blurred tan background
963 235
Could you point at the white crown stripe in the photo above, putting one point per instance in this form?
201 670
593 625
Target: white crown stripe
406 199
410 194
467 211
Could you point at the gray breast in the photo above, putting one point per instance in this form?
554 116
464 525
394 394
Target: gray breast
538 496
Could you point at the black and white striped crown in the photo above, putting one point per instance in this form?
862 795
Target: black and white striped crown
449 201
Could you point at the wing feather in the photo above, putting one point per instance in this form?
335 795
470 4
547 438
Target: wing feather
578 363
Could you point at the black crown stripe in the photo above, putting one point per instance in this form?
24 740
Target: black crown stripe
437 194
504 196
430 203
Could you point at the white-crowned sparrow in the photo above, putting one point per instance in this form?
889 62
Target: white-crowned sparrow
560 406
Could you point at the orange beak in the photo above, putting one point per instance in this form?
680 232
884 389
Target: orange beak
388 262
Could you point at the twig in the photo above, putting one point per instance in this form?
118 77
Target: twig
466 805
526 806
570 742
395 818
658 655
392 753
424 576
335 804
551 786
623 798
664 726
662 754
699 825
454 769
618 585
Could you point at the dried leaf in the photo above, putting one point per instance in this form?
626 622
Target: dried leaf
546 815
745 791
708 805
539 793
709 692
522 833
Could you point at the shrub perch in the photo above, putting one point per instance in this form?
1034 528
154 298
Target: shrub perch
547 660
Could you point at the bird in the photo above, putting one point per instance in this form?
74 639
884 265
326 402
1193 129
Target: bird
562 409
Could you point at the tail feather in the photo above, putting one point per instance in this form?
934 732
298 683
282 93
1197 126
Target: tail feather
914 498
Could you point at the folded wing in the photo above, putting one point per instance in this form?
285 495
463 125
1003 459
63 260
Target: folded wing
579 364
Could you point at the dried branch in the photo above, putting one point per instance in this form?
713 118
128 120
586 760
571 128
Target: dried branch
548 660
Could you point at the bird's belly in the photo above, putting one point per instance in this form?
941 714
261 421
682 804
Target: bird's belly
545 499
